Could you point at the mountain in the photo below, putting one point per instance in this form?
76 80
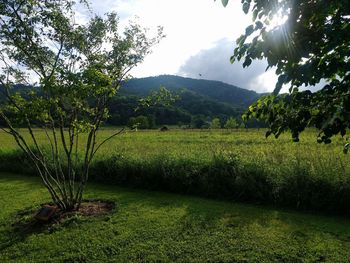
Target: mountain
200 101
214 90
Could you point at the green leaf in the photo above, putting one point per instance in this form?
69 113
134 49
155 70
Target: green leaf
255 14
224 2
246 7
258 25
247 62
301 59
277 89
249 30
240 41
282 79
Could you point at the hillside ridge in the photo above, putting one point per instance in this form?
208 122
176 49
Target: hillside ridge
217 90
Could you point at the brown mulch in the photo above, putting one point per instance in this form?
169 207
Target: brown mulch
92 208
95 208
25 220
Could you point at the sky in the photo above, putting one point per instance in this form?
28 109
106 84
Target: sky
200 37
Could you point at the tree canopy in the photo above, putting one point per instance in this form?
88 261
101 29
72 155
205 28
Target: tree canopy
307 42
72 71
215 123
231 123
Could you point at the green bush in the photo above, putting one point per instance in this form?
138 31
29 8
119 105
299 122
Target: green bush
16 162
224 176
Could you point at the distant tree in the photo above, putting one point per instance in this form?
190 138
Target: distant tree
180 124
151 121
114 119
77 69
198 121
140 122
132 123
215 124
310 44
231 123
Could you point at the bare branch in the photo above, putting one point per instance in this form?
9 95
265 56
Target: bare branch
106 140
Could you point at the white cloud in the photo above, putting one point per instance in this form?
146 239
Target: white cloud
264 82
213 63
200 39
190 26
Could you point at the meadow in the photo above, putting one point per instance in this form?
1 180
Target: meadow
240 165
249 144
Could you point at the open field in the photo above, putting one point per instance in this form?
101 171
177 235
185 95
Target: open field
249 145
228 164
154 226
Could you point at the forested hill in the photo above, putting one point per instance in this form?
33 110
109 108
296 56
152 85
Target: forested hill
199 102
215 90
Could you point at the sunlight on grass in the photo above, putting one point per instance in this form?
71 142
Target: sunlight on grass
150 226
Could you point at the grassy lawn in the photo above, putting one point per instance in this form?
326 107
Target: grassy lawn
154 226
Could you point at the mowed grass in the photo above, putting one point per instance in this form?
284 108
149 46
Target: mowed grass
155 226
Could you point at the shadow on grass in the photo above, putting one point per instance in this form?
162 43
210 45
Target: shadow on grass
184 223
207 214
25 225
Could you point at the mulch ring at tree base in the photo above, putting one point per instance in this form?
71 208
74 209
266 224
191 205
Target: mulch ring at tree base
26 223
94 208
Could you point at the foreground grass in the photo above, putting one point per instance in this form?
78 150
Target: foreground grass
153 226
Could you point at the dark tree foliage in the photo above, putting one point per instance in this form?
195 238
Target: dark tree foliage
188 105
312 45
199 121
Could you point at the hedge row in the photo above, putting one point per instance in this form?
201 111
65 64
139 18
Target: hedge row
224 176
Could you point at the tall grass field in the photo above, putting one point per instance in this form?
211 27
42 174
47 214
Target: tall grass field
239 165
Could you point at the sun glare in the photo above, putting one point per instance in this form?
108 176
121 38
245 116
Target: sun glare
278 20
